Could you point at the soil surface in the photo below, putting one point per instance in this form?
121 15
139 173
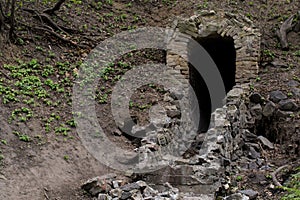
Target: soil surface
41 154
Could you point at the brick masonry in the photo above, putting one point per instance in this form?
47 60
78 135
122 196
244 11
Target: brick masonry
244 33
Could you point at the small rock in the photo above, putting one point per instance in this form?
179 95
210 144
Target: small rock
250 193
237 196
220 139
252 166
117 132
248 136
265 142
130 186
115 184
256 111
288 105
283 114
141 184
125 195
277 96
116 192
293 83
255 98
269 109
259 162
104 197
296 92
253 153
167 98
176 94
137 196
279 64
148 191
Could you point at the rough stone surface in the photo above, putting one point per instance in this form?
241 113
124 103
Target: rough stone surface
265 142
277 96
237 196
244 33
250 193
269 109
288 105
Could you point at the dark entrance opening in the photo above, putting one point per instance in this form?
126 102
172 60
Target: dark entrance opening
222 51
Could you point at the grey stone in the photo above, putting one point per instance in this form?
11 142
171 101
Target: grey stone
296 91
148 191
237 196
116 192
98 185
253 153
129 187
125 195
115 184
256 111
174 113
104 197
283 114
293 83
277 96
117 132
288 105
137 196
252 166
141 184
255 98
279 64
248 136
265 142
269 109
250 193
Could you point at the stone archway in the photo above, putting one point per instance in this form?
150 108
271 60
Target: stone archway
232 41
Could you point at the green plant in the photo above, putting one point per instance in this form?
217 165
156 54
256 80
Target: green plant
71 123
296 53
24 138
1 157
239 178
110 2
66 157
4 142
289 94
22 113
293 187
268 53
62 130
103 98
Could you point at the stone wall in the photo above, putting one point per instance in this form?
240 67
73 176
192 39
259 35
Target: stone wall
204 173
245 35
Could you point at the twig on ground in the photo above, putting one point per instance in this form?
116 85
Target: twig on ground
273 174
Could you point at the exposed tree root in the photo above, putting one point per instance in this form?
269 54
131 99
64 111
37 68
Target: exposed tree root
287 26
56 7
283 31
273 174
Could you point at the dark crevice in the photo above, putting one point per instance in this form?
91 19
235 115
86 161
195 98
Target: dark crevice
222 51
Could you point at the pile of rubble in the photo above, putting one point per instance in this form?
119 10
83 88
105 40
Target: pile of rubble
112 187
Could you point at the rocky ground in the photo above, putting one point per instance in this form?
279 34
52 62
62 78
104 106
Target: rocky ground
41 154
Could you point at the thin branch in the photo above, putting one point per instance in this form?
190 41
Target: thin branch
273 174
56 7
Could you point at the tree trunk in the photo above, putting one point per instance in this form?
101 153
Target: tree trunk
12 19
